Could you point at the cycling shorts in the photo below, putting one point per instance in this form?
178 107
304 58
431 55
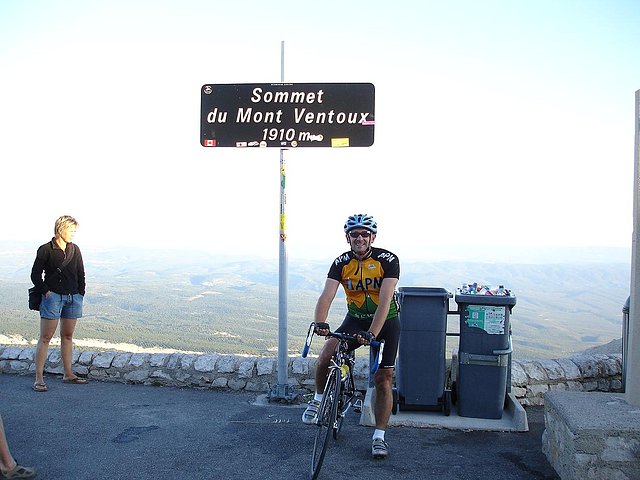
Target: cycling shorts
390 333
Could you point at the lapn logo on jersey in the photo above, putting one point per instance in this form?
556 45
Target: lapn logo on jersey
364 284
387 256
343 258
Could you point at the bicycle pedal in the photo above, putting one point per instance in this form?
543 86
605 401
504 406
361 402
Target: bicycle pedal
357 406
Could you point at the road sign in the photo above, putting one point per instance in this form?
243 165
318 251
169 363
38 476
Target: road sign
287 115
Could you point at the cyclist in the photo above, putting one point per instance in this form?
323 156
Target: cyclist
369 276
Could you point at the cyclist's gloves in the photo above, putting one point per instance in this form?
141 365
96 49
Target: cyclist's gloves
367 336
321 326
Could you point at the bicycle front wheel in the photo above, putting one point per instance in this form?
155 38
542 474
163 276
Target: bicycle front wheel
345 401
327 413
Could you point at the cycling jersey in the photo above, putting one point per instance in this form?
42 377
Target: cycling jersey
362 279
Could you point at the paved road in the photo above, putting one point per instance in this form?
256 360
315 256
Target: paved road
116 431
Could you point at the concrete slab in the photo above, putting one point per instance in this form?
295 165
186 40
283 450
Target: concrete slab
514 418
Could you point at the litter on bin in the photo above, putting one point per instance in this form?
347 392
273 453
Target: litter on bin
476 288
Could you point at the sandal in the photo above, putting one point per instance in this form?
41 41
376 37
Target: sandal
75 380
19 472
40 387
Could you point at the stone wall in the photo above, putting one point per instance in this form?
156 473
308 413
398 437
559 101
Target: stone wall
530 379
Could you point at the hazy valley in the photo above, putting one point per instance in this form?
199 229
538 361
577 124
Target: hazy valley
206 303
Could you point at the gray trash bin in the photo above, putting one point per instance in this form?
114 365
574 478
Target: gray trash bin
625 341
484 354
420 369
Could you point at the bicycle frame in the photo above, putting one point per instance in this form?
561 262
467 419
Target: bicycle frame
344 360
339 393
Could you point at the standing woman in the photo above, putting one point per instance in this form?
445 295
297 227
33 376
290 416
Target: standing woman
62 288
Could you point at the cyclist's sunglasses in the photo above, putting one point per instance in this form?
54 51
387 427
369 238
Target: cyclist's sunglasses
357 234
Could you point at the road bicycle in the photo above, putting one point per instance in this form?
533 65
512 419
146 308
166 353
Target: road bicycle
340 393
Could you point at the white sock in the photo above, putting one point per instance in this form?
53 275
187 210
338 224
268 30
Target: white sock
377 433
317 397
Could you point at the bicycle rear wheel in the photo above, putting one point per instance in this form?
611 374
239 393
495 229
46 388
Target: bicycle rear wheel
327 413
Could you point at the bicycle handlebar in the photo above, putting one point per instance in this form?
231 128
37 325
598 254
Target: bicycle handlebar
339 335
379 345
347 336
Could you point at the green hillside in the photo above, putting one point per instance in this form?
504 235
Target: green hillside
196 302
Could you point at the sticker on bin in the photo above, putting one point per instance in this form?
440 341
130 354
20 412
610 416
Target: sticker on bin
488 318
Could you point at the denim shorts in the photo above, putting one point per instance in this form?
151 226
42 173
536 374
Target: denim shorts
58 305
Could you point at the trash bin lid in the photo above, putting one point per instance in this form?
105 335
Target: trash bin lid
465 299
625 308
425 292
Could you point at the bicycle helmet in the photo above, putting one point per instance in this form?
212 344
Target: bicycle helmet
361 220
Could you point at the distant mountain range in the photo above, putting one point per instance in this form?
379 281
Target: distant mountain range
193 301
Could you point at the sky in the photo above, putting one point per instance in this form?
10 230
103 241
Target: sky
503 125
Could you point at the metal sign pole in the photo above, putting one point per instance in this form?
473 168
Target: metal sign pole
282 390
